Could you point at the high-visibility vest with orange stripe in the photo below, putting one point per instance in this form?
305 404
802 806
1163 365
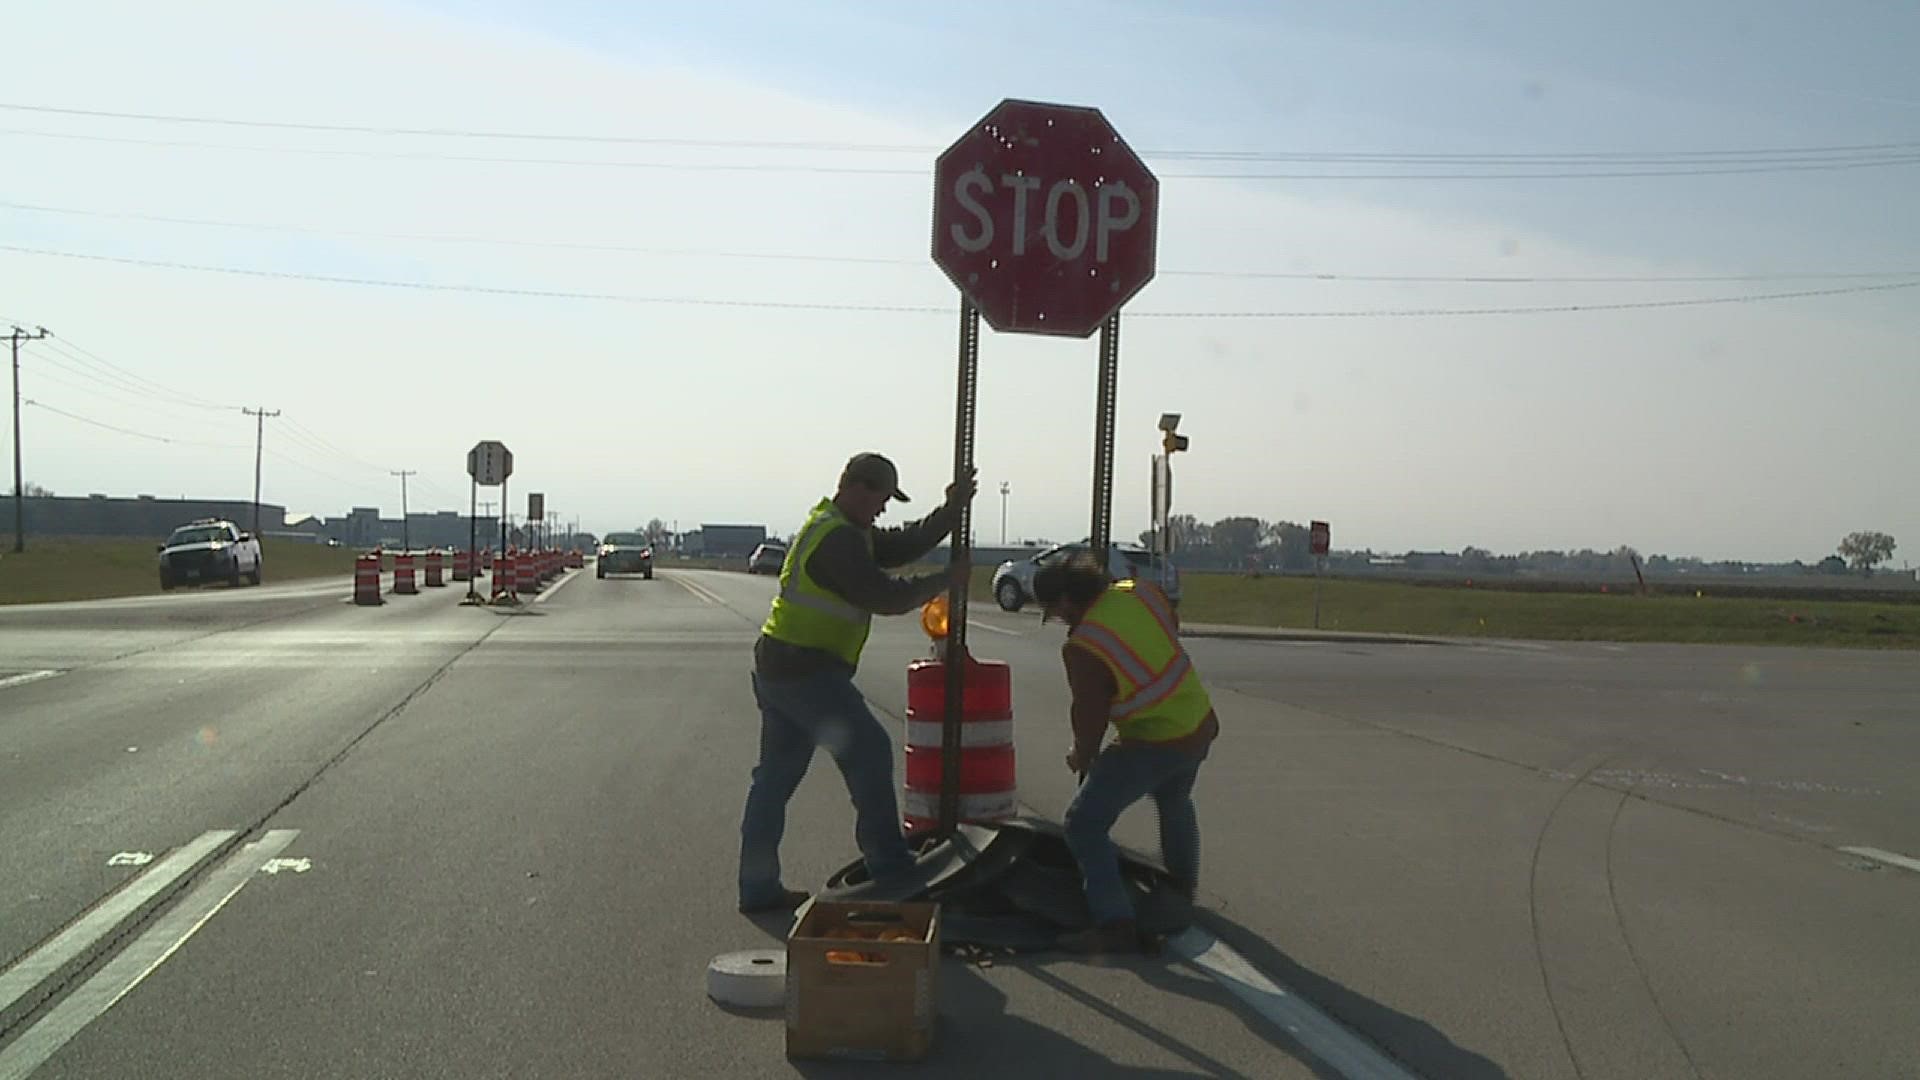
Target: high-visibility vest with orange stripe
1158 696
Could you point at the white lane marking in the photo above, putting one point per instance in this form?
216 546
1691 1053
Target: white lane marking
991 629
140 959
77 938
28 677
554 588
297 866
1342 1050
1887 857
131 858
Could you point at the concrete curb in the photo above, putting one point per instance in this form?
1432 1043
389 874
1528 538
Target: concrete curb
1280 633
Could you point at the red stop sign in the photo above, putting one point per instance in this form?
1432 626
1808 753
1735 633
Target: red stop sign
1044 218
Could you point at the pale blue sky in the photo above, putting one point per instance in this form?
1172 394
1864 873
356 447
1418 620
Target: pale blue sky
1759 430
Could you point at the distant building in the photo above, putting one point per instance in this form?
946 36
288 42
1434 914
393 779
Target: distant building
725 540
141 516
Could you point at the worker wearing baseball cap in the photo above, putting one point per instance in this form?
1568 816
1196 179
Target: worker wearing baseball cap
834 580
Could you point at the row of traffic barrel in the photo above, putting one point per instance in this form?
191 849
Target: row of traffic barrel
514 572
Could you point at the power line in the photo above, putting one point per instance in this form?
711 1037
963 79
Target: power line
128 431
1615 168
1298 275
107 387
908 148
926 309
141 383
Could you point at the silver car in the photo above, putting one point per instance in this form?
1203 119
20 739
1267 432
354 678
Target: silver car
1013 581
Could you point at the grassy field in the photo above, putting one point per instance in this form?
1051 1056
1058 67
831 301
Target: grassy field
52 569
1387 607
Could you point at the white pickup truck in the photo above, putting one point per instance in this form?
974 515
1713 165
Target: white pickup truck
209 550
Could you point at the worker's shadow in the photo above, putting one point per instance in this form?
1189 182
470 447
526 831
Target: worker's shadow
978 1037
1417 1044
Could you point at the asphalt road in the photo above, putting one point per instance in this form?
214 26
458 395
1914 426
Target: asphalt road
502 844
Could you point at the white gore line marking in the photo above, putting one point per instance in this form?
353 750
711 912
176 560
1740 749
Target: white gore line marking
137 961
1888 857
77 938
554 588
28 677
1326 1039
991 629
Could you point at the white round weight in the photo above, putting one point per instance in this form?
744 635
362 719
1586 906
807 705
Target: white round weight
755 979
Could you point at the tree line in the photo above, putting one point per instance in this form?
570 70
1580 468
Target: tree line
1240 543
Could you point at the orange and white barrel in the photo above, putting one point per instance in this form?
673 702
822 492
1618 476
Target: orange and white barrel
366 579
987 768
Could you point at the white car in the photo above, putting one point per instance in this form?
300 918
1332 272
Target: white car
209 550
1013 581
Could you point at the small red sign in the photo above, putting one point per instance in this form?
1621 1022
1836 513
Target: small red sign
1320 537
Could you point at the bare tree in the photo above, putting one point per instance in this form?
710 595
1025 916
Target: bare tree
1866 550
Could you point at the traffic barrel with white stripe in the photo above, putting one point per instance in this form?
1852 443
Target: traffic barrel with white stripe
503 575
463 565
987 789
436 569
403 583
366 579
526 572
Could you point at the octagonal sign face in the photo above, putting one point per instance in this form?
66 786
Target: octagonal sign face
1044 218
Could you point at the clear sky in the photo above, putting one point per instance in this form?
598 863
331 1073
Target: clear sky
1761 429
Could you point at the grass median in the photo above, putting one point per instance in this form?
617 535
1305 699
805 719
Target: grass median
57 569
1452 611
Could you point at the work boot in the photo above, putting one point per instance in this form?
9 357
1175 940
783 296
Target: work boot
785 900
1106 939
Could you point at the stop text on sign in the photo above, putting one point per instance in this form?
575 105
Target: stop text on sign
1067 213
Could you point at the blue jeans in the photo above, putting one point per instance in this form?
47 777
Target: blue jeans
1118 778
796 715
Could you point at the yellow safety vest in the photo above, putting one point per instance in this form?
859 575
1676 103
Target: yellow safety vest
1158 696
807 613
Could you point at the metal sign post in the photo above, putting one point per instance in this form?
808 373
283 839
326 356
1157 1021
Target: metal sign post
1319 541
1045 220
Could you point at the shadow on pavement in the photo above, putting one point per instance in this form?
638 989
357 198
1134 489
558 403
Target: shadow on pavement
978 1038
1419 1046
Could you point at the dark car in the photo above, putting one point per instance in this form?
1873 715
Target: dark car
209 550
624 553
768 558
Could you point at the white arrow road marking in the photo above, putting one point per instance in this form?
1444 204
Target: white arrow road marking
78 937
125 971
131 858
297 866
31 676
1345 1052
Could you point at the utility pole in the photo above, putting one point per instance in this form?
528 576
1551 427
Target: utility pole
259 442
1004 488
406 537
19 492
